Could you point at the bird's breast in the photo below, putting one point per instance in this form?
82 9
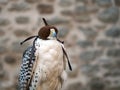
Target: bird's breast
50 55
49 63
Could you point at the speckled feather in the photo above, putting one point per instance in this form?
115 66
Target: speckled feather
43 65
26 68
44 70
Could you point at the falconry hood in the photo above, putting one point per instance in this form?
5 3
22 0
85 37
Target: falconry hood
47 32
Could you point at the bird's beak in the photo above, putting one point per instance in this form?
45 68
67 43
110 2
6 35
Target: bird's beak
53 33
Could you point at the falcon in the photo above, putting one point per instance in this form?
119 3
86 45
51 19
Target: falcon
43 64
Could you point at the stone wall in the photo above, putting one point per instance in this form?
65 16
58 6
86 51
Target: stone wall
90 29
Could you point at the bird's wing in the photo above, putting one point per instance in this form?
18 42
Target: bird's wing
26 70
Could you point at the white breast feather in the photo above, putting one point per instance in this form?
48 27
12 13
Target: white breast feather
50 60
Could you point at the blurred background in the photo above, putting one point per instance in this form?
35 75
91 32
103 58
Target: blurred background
90 29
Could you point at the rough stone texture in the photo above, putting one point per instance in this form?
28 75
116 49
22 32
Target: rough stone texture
81 14
2 74
4 21
65 3
90 29
109 15
89 32
82 18
3 1
105 3
32 1
117 2
114 88
63 32
97 84
114 52
0 9
2 33
81 10
57 20
90 70
2 49
113 32
22 20
118 63
90 55
85 43
19 7
9 59
75 86
92 9
45 8
84 1
20 33
106 43
67 12
17 48
114 73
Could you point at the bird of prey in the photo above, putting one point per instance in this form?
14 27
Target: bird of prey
44 63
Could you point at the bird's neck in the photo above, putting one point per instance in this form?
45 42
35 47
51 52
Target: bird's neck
52 38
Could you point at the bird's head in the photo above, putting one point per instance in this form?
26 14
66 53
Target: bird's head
48 32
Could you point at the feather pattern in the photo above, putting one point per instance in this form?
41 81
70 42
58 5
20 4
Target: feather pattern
49 72
26 68
46 69
43 65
